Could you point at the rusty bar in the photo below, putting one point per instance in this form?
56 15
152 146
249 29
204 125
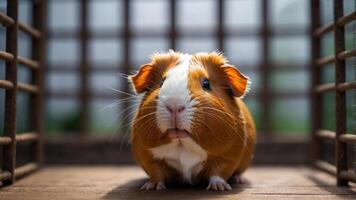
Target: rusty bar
127 59
348 138
30 30
25 137
5 140
326 134
8 85
340 96
25 169
325 166
6 21
27 87
9 151
84 69
326 87
264 71
37 99
220 34
28 62
347 54
5 175
325 60
348 176
324 29
346 19
6 56
173 24
315 76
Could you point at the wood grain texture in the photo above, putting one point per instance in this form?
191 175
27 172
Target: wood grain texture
114 182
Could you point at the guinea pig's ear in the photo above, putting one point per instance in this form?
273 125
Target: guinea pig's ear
141 79
238 82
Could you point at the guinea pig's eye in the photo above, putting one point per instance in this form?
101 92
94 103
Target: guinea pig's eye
206 84
162 81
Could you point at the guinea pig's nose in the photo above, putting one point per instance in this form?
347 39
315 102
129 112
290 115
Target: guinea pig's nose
175 109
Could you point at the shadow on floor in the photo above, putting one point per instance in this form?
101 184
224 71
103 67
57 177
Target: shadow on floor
131 190
341 192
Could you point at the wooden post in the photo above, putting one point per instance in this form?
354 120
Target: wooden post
340 101
9 151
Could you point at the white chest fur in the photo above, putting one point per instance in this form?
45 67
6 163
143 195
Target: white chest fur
185 156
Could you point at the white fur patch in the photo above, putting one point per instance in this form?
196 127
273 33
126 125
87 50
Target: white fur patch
175 92
185 156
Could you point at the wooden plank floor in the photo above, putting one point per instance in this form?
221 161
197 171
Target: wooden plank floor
104 182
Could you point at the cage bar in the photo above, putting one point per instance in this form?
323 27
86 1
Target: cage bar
340 97
84 69
315 76
9 151
173 31
5 20
29 30
325 60
264 71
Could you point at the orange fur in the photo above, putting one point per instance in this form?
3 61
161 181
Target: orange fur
219 124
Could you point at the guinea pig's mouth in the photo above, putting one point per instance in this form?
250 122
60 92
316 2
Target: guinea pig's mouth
175 133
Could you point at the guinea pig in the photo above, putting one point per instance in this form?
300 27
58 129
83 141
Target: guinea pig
191 124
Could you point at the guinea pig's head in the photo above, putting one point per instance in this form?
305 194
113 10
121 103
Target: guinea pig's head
190 96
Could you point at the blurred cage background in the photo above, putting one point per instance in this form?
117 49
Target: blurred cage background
90 43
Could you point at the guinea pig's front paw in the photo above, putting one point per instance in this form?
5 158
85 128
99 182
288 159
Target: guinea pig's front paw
152 185
218 184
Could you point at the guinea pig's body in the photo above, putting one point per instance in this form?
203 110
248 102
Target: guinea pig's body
191 124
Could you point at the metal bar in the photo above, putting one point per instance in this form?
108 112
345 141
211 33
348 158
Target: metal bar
65 95
25 137
340 96
127 57
346 54
326 134
28 62
27 87
346 86
29 30
327 87
264 69
6 21
173 30
84 69
9 151
347 176
326 167
37 99
220 34
324 29
194 32
5 175
5 140
325 60
346 19
8 85
6 56
348 138
25 169
315 76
